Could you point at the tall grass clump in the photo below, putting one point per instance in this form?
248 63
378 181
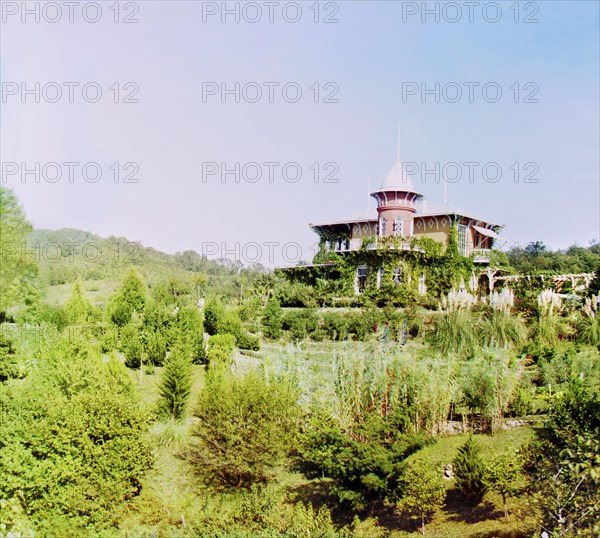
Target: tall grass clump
502 328
416 395
456 330
589 326
489 384
546 328
170 433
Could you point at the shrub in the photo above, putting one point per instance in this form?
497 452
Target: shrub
214 314
155 347
248 341
131 345
272 320
469 470
300 323
365 463
129 299
175 385
220 349
190 333
247 426
8 360
562 465
336 325
423 491
73 439
505 476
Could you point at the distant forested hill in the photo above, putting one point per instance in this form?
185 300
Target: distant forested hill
63 254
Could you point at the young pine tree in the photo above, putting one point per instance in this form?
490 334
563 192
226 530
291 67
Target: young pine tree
175 384
424 491
470 471
77 308
131 297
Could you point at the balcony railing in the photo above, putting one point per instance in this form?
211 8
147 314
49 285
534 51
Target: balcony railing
482 255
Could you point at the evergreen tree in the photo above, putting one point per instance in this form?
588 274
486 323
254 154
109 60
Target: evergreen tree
190 332
15 266
424 491
78 308
155 347
247 427
131 345
131 297
176 383
504 475
594 287
469 470
8 359
272 320
214 316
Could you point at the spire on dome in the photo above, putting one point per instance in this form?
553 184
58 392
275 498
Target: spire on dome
397 180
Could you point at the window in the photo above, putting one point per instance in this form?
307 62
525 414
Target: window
399 227
462 239
382 226
397 275
361 278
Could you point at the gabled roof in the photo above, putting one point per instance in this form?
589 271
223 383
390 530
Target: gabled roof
444 208
431 210
364 216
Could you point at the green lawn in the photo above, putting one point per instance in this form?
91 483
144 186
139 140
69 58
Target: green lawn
97 291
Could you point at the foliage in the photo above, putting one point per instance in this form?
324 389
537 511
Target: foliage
247 426
170 433
17 266
469 470
131 345
488 385
154 346
129 299
415 395
214 315
72 438
589 325
300 323
365 463
272 319
456 332
535 257
564 464
175 384
502 329
9 367
423 490
594 287
189 330
220 349
78 308
504 474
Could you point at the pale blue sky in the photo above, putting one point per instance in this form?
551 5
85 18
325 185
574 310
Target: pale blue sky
368 54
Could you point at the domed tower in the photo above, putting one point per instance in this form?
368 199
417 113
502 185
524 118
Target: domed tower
396 203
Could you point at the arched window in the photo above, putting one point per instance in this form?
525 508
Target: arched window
381 226
398 226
